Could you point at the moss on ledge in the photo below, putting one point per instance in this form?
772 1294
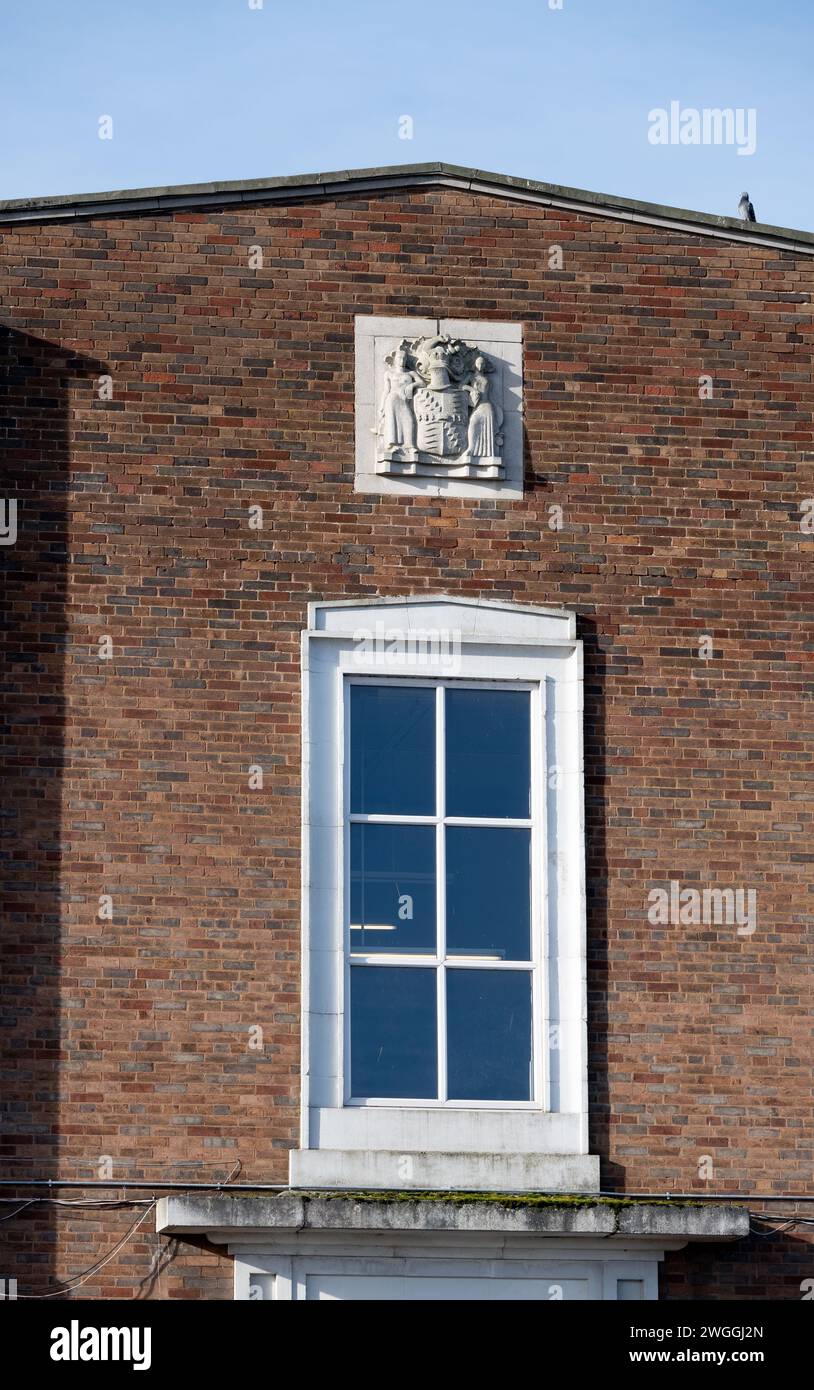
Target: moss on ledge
526 1199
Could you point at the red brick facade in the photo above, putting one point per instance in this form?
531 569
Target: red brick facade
129 1039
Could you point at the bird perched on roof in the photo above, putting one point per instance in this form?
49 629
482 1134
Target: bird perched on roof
745 209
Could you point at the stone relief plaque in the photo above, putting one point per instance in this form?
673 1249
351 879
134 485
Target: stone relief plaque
437 415
439 407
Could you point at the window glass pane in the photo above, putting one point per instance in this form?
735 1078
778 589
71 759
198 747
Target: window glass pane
488 892
488 743
392 888
392 750
393 1032
489 1035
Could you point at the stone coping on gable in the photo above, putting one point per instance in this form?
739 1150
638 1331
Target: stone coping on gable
294 187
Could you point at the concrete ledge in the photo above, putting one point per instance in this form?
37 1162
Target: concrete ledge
224 1219
430 1172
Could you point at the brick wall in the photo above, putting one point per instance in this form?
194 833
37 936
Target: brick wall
129 1039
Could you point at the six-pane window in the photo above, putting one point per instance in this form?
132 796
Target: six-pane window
443 951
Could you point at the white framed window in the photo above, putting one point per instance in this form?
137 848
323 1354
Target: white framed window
444 891
443 921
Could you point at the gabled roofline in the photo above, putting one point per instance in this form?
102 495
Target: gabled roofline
382 180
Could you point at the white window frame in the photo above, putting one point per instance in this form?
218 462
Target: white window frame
289 1270
540 1145
535 823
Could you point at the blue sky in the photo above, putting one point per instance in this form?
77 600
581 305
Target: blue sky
213 89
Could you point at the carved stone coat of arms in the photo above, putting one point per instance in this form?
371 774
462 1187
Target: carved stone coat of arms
439 411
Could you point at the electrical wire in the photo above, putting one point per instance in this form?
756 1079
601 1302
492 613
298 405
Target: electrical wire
94 1184
32 1201
100 1264
91 1202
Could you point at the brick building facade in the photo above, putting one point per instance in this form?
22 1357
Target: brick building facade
173 361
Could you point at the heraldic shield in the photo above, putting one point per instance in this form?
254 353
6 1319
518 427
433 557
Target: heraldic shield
442 416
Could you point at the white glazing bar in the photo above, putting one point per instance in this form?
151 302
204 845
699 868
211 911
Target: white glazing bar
441 878
490 821
345 697
393 958
451 962
360 818
539 788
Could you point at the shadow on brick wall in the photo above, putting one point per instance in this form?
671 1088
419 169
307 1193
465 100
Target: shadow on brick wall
612 1174
773 1264
35 380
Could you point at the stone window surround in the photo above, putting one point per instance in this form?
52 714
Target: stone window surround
542 1147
